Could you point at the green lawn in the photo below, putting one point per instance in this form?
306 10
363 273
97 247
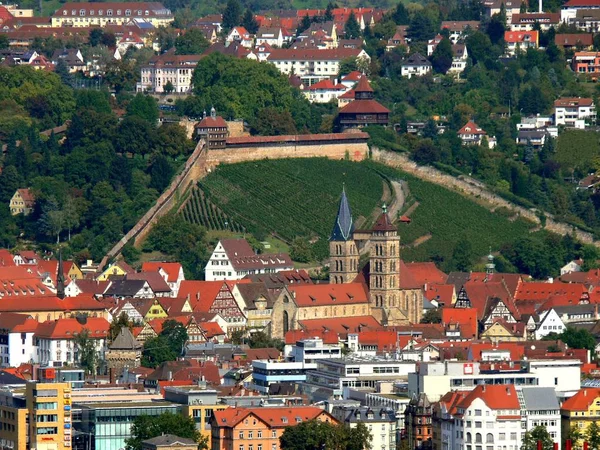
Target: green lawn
299 197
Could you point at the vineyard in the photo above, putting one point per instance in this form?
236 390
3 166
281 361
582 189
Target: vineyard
292 197
200 210
448 217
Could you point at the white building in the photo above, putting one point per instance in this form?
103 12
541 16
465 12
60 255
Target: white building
550 322
459 29
313 65
233 259
16 339
168 68
526 22
241 35
416 65
324 91
436 378
574 111
272 36
381 423
572 266
459 59
172 273
473 134
56 339
539 407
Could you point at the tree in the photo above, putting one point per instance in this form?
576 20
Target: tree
272 122
249 22
400 15
304 25
432 316
144 107
85 347
116 325
426 152
175 333
328 17
172 140
441 58
147 427
157 351
95 36
421 27
592 435
52 221
300 250
232 15
462 255
161 172
108 39
574 338
4 42
315 434
121 75
260 339
532 437
352 27
168 88
71 215
192 42
135 136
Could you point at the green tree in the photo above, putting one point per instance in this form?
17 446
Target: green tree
315 434
85 348
304 25
432 316
400 15
260 339
249 22
147 427
192 42
328 17
172 140
95 36
157 351
71 215
93 99
52 221
574 338
426 152
135 136
161 172
272 122
441 58
175 333
462 255
144 107
232 15
4 42
122 321
422 27
301 250
168 88
121 75
592 435
532 437
352 27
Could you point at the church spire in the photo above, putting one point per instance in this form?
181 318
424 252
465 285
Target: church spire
60 278
344 225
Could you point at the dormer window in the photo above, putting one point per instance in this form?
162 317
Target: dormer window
82 12
109 12
119 12
65 13
127 12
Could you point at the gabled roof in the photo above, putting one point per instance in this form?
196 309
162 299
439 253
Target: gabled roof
582 400
93 287
355 75
212 122
340 325
416 59
6 258
426 273
27 196
326 85
255 292
471 128
124 288
496 397
169 440
567 102
125 341
543 291
156 282
520 36
172 269
97 328
329 294
82 302
17 323
201 294
571 39
273 417
466 318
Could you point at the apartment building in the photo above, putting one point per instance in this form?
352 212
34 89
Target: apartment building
314 65
520 41
586 62
88 14
168 68
574 111
527 21
48 406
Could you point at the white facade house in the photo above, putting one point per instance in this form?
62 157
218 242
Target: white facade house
314 65
550 322
381 423
16 339
473 134
572 112
572 266
269 35
171 272
459 59
415 66
324 91
539 407
233 259
168 68
241 35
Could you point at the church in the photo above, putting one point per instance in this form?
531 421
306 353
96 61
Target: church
383 288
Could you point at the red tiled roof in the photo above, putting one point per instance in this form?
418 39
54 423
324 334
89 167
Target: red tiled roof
6 258
136 9
516 349
465 317
520 36
329 294
471 128
18 323
385 340
364 106
211 329
326 84
210 122
355 75
4 14
172 269
363 85
426 273
274 417
200 293
443 293
82 302
69 328
311 54
156 282
543 291
348 95
573 101
497 397
94 287
580 3
582 400
340 325
28 197
552 18
563 39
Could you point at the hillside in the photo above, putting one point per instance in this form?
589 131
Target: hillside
299 198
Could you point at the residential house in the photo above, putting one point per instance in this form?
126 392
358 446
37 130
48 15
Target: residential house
381 423
211 32
535 138
587 20
172 272
321 35
527 21
578 41
579 412
259 428
459 59
270 35
399 38
214 20
71 57
511 7
122 288
549 322
433 43
313 65
256 302
418 422
416 65
85 14
574 111
575 265
520 41
569 9
539 407
324 91
350 80
118 269
233 259
93 287
240 35
168 69
16 339
586 62
458 29
22 202
473 134
128 40
56 339
156 282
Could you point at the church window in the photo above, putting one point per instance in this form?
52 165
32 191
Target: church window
286 299
341 266
286 323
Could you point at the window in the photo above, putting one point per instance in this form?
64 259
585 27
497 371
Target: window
241 436
489 438
273 434
241 447
477 424
82 12
478 412
478 438
259 434
250 435
127 12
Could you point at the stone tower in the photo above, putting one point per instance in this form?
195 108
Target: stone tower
343 254
125 352
384 271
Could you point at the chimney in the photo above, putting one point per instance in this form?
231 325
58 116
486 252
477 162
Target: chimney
507 391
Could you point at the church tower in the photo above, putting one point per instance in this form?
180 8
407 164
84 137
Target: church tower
343 254
384 276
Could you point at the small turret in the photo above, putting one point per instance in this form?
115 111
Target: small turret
60 278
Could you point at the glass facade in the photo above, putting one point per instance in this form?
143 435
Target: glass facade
110 425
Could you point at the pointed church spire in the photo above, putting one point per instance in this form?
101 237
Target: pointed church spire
60 278
344 225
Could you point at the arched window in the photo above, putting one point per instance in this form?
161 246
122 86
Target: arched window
489 438
286 299
286 322
468 437
478 438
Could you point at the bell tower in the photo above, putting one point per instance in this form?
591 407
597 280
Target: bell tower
343 254
384 276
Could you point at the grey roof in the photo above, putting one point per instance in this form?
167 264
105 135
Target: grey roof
575 309
125 341
532 134
253 292
344 225
124 288
169 439
417 60
540 398
367 415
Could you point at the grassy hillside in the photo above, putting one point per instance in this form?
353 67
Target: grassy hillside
576 149
299 198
